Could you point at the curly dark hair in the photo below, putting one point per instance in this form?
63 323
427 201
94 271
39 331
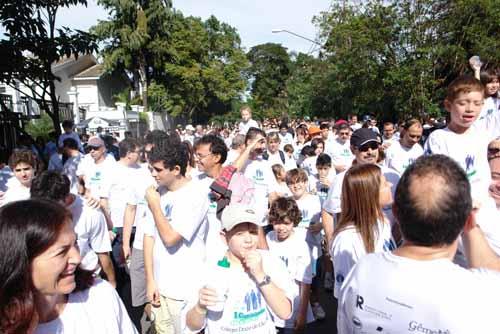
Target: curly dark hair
285 207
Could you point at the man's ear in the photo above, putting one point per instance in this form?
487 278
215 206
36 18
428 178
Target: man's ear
177 170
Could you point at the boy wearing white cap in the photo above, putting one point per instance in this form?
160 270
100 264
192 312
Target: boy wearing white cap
258 286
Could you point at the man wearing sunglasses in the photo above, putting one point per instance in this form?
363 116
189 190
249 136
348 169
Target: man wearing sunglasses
365 147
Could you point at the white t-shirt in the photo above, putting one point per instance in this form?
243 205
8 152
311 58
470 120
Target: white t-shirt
97 310
69 169
469 150
285 140
391 294
91 233
488 218
399 157
488 122
121 185
243 127
310 207
245 309
143 215
97 176
283 190
341 154
232 155
15 192
318 188
294 253
347 248
215 247
333 203
186 211
275 158
260 172
309 165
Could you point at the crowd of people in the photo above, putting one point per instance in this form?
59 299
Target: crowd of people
239 229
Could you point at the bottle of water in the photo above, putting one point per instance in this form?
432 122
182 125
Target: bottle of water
219 281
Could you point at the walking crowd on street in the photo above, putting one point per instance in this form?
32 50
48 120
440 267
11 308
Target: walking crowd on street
240 229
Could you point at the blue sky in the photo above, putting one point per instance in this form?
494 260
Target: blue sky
254 19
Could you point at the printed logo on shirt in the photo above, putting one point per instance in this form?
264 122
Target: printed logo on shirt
417 327
251 309
306 220
285 260
469 166
389 245
259 175
357 323
346 153
168 211
96 178
359 301
339 278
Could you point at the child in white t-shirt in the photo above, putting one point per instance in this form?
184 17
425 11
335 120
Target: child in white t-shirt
291 248
459 140
320 183
23 165
280 174
310 224
248 290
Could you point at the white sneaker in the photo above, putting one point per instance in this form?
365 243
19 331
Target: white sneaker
318 311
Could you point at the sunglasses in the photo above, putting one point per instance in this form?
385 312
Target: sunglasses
371 145
493 150
95 148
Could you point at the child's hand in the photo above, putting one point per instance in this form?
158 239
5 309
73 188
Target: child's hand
207 297
253 265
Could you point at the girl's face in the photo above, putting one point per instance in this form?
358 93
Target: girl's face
492 87
385 192
319 149
53 271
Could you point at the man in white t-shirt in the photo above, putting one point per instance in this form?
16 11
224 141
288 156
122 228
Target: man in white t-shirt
210 154
388 134
246 120
365 147
353 122
259 170
174 247
70 149
95 169
418 287
405 151
285 136
340 150
89 224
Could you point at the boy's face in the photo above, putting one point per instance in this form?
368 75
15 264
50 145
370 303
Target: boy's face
283 131
283 229
298 189
164 176
242 239
273 145
323 171
465 109
245 115
24 173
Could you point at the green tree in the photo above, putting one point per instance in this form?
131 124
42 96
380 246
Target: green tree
136 39
269 71
32 44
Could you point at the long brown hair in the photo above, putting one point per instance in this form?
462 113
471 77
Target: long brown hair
27 229
361 203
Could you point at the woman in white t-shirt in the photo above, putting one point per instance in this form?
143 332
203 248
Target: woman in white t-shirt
43 288
362 227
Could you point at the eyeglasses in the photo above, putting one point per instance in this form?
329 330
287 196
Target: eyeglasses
201 157
371 145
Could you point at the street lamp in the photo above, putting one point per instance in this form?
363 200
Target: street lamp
275 31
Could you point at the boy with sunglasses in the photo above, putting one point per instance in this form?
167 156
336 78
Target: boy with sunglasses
365 147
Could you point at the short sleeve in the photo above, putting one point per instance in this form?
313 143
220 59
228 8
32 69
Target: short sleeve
332 203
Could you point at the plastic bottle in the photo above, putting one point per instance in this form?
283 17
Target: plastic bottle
220 283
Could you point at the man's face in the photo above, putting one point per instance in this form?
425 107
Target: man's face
367 153
163 176
373 122
344 135
242 239
465 109
354 120
324 133
260 147
412 135
298 189
97 152
388 131
495 180
283 131
283 229
273 145
24 173
205 160
245 115
199 129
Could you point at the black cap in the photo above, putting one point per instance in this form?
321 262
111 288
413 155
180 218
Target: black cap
363 136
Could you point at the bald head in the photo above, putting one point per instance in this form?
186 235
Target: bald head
433 201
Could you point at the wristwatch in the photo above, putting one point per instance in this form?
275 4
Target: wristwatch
265 281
